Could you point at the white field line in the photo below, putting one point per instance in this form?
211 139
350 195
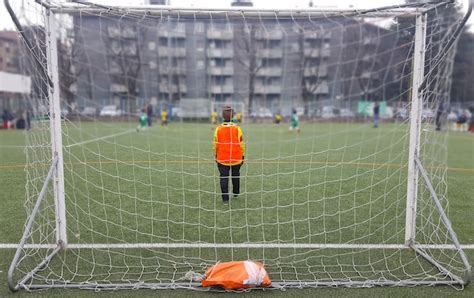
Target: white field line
235 245
13 146
100 138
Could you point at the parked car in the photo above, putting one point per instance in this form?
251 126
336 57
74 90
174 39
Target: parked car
427 113
262 113
64 112
388 114
346 113
112 111
401 114
328 112
299 111
176 112
89 111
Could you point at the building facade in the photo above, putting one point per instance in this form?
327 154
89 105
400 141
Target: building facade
269 63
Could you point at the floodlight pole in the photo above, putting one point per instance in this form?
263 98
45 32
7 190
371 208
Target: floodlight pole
415 127
55 128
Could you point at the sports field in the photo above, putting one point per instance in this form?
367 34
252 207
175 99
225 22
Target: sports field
333 183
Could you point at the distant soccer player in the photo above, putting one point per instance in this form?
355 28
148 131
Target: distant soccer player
277 118
142 121
229 150
295 122
214 117
238 117
376 114
164 117
149 113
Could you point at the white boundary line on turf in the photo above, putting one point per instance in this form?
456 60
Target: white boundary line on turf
236 245
100 138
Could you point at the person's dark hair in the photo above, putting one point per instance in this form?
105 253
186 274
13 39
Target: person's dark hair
227 113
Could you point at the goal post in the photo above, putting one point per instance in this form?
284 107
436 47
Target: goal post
415 127
118 197
56 132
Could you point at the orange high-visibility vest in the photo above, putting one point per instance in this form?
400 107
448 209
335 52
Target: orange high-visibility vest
237 275
229 144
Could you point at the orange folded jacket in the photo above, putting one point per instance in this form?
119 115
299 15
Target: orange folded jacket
237 275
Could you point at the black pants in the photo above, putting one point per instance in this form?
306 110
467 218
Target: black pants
149 120
234 172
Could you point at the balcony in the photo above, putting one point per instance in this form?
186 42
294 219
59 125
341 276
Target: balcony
367 58
270 71
323 88
317 53
225 34
116 32
118 88
219 71
367 41
219 89
270 53
172 88
266 89
366 75
220 53
173 52
269 35
165 70
319 71
177 32
317 35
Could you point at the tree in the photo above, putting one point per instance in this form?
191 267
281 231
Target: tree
247 56
462 89
123 41
311 57
69 71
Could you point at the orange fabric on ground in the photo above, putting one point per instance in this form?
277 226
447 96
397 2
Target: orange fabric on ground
237 275
229 144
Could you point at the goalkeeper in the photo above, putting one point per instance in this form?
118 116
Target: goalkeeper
229 151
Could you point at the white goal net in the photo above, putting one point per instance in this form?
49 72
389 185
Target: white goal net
355 197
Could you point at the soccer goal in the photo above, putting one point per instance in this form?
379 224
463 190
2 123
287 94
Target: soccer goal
351 200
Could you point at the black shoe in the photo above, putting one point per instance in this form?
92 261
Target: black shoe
236 195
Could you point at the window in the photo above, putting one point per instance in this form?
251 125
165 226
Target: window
220 62
163 41
216 43
296 47
151 46
200 44
200 64
199 27
220 80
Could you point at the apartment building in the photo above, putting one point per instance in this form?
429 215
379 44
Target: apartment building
270 63
9 64
9 52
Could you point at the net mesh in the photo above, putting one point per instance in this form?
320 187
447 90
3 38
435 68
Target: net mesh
326 204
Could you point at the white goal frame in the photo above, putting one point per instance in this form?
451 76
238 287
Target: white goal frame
415 168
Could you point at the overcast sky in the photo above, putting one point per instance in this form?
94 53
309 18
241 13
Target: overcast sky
5 21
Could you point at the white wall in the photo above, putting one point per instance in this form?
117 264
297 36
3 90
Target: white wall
14 83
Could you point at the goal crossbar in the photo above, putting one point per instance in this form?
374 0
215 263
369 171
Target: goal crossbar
410 9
